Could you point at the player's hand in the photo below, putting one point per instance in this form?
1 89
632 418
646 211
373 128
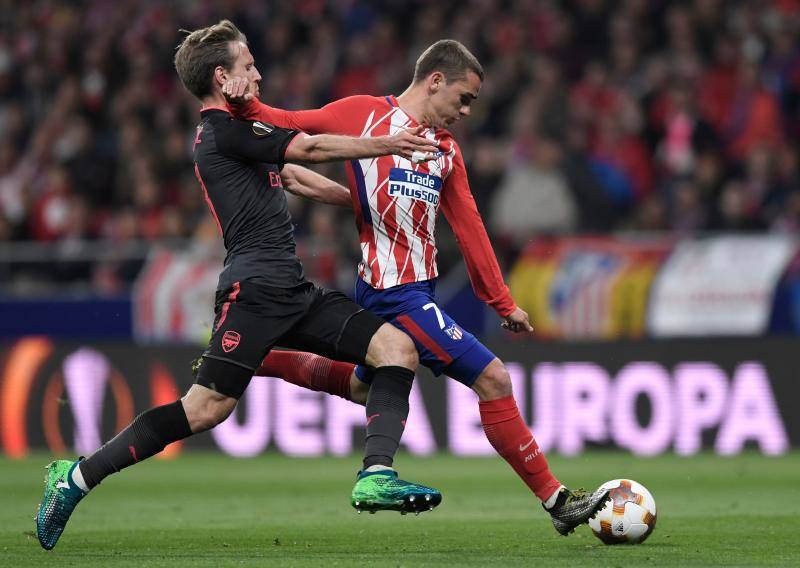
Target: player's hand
517 321
236 90
410 144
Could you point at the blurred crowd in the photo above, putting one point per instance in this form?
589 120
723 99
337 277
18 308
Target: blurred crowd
595 116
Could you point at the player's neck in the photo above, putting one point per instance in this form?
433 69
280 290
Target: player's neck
215 100
413 101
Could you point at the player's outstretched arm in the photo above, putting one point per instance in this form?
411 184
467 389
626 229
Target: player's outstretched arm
244 106
311 185
329 147
259 142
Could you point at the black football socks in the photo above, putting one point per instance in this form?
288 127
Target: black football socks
148 434
387 411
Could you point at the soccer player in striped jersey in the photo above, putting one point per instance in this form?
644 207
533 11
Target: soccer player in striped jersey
396 201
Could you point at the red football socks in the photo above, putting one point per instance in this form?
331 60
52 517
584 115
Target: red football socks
309 371
512 439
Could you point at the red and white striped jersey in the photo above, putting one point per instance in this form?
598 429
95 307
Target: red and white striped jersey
396 201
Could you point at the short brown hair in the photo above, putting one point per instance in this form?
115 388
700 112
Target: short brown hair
204 50
451 58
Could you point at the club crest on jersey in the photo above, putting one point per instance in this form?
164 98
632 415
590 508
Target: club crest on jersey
261 129
230 341
415 185
454 332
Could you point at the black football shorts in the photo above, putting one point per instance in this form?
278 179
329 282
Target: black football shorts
251 318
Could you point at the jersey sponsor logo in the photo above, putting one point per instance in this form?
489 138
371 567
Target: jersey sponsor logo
454 332
275 179
230 341
261 129
415 185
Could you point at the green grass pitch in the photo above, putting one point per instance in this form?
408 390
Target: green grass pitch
211 510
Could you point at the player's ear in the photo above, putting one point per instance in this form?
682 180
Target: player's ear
220 75
436 81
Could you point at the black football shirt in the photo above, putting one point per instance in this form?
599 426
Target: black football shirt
238 165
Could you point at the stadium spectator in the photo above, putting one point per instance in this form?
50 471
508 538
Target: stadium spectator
533 197
788 220
754 117
682 132
688 211
50 209
736 211
593 199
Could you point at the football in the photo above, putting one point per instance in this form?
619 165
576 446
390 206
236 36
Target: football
629 516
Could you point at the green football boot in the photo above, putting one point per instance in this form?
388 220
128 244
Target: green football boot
61 496
383 491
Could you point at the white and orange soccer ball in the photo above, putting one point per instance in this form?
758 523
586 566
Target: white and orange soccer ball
629 517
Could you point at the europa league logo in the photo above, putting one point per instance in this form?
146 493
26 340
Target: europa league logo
84 377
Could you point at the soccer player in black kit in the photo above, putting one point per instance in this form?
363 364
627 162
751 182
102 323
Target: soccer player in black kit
263 299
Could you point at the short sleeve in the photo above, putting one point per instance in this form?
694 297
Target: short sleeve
253 141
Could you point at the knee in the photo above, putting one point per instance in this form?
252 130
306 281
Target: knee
390 346
403 352
494 382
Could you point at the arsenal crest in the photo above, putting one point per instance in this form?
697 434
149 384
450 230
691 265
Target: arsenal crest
230 341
